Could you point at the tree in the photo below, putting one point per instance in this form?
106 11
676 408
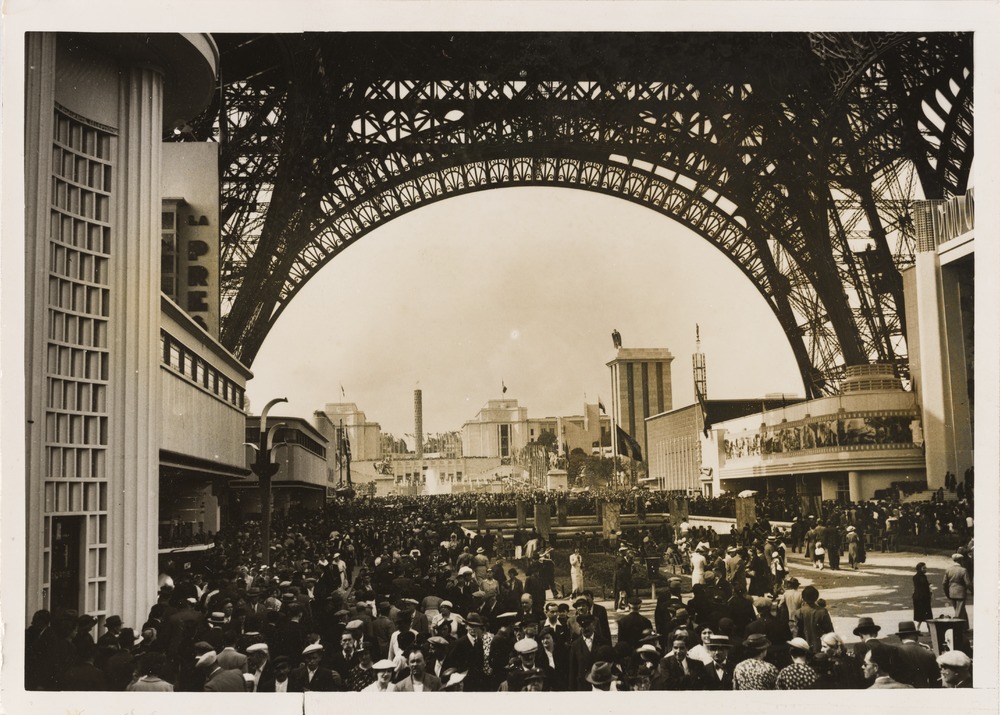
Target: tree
547 438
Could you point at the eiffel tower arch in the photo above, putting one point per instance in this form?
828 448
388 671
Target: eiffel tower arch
797 155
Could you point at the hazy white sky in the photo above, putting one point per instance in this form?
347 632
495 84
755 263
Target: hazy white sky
521 286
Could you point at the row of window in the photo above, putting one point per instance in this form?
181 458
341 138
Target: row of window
196 369
289 436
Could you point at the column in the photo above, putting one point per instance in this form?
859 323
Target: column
134 384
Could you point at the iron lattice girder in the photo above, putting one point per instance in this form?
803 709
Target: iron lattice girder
373 132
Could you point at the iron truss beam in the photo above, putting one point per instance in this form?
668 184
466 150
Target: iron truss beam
327 137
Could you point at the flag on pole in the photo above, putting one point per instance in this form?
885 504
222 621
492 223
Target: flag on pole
503 387
600 405
705 422
342 393
627 446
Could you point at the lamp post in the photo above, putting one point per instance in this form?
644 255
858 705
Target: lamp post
265 467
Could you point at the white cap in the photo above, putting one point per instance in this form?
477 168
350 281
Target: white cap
526 645
205 659
464 570
257 648
312 648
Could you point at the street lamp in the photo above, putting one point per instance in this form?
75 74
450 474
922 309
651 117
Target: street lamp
265 467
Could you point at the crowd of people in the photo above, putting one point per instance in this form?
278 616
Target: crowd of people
396 595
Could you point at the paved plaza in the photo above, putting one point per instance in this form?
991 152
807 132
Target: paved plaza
881 588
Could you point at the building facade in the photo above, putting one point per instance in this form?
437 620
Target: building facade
844 447
96 109
641 386
500 429
939 290
302 480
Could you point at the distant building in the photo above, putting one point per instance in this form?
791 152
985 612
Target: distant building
641 387
500 429
302 479
676 441
590 431
843 447
365 437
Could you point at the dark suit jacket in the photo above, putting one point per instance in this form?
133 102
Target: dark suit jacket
917 666
603 631
678 680
465 656
630 628
711 681
225 681
324 680
580 661
431 683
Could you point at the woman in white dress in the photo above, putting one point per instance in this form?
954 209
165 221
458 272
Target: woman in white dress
698 562
576 572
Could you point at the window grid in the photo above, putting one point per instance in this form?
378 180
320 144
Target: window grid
77 353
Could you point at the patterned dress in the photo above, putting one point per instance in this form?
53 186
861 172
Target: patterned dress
797 676
753 674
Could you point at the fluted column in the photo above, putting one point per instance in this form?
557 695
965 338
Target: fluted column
134 360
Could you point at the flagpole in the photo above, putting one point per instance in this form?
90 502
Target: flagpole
614 419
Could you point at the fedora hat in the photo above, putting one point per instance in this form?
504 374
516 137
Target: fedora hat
866 625
907 628
600 673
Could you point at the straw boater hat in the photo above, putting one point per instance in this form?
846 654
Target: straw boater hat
384 664
717 641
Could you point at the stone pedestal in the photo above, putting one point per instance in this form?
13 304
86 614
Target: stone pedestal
611 518
562 515
522 514
543 517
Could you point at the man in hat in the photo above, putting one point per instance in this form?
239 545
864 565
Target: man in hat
310 676
867 629
755 673
382 628
217 678
468 654
623 578
109 640
719 674
667 603
229 658
258 667
437 647
278 682
813 620
916 663
632 625
957 586
601 677
736 568
956 669
383 673
581 651
601 614
419 680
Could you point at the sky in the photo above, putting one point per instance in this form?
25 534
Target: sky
518 287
